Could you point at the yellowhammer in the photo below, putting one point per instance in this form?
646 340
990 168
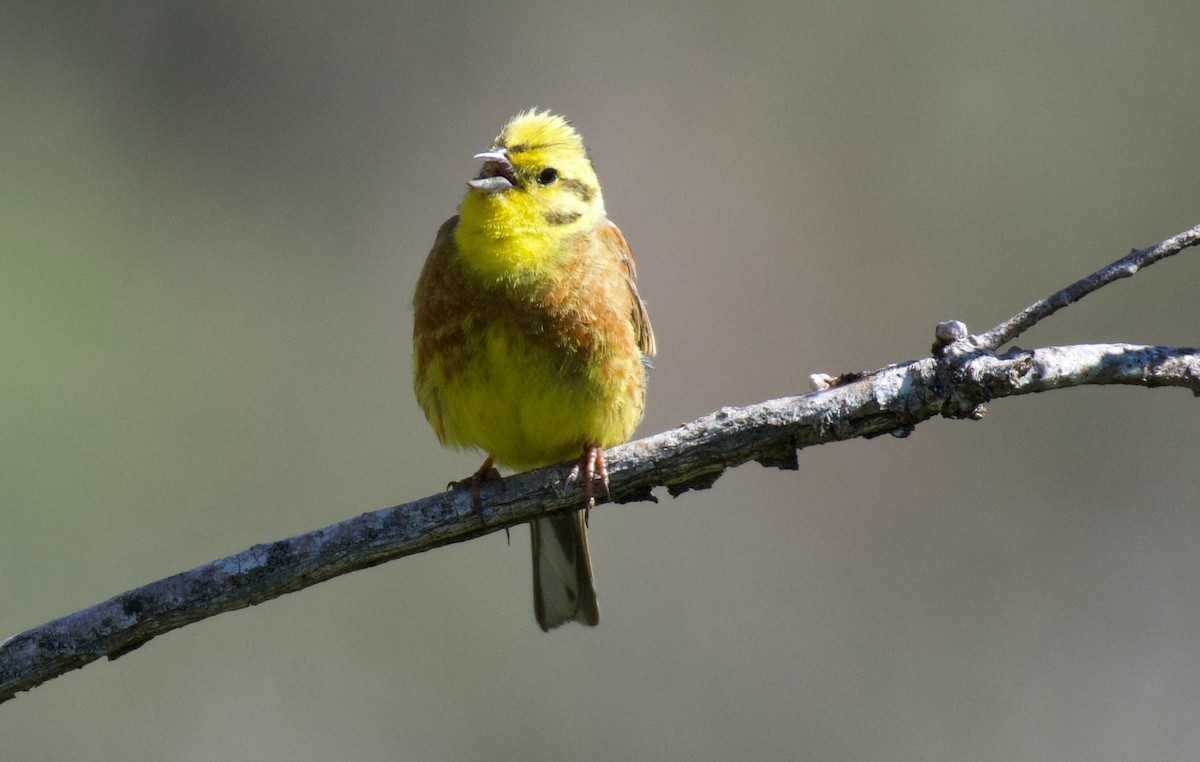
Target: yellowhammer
529 337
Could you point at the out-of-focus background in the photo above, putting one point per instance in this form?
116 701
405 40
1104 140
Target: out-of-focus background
211 221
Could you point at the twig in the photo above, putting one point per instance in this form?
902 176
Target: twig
692 456
1122 268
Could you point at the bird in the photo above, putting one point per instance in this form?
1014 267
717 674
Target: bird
531 342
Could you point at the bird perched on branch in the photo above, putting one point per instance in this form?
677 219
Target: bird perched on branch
530 340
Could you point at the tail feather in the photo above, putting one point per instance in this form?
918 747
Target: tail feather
563 590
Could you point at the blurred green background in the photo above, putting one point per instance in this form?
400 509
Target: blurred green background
212 217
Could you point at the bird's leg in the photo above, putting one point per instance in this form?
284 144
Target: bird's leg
591 462
486 473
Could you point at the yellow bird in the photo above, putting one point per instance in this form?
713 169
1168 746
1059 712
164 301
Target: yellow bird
530 340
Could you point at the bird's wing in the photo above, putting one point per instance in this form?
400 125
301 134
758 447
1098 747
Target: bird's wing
610 235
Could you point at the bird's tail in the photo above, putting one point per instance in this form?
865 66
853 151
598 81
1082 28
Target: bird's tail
563 590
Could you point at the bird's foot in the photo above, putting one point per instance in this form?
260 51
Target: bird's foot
591 465
486 473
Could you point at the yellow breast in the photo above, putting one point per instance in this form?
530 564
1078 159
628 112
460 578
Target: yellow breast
529 373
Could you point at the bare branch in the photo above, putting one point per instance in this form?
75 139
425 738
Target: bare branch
890 400
1122 268
956 383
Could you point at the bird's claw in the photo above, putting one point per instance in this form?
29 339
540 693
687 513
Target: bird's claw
591 465
486 473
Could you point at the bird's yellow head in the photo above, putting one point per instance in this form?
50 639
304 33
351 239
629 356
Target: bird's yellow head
537 188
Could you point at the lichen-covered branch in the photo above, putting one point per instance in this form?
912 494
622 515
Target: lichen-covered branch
957 382
891 400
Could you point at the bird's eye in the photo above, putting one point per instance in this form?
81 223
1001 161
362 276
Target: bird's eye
547 176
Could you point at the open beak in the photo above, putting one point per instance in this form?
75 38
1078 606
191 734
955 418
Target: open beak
497 173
